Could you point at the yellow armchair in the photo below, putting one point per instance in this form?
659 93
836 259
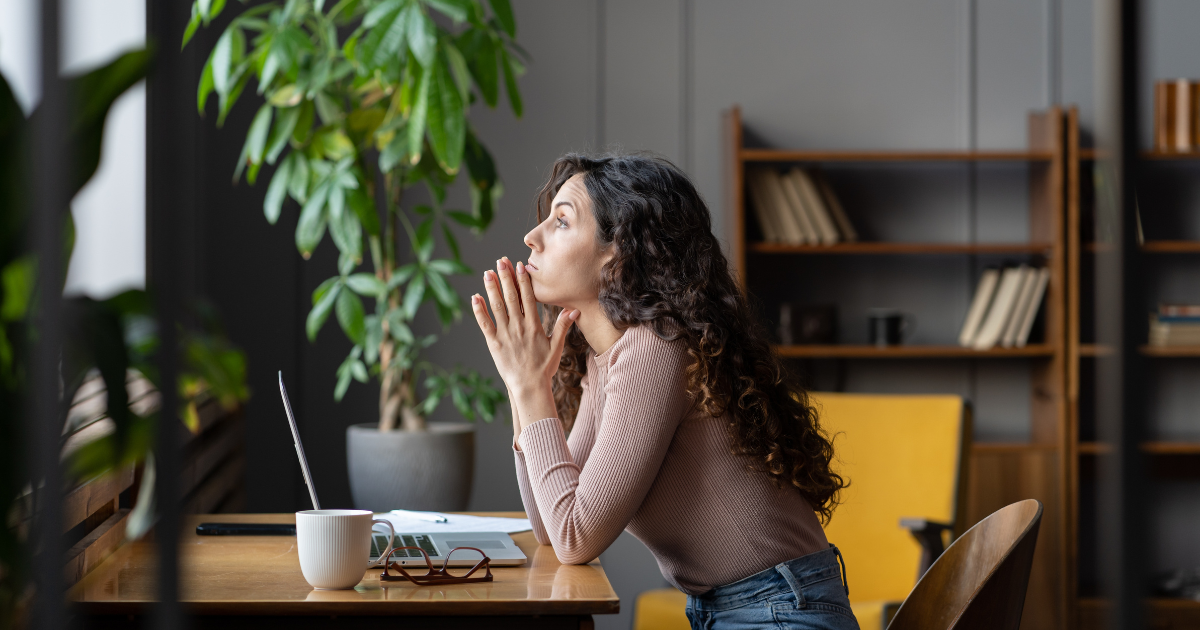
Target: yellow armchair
905 459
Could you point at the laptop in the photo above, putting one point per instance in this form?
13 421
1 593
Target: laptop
498 546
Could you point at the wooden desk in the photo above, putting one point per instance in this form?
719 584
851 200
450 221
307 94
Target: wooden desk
230 582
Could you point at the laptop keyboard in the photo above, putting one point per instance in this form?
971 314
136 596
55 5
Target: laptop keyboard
379 544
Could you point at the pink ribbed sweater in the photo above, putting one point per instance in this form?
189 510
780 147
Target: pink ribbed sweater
642 459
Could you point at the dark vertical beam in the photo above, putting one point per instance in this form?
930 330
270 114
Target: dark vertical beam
170 204
1123 498
51 202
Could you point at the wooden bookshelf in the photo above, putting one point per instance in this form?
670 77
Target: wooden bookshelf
903 248
1161 612
1170 155
784 155
1171 247
1152 448
848 351
1001 473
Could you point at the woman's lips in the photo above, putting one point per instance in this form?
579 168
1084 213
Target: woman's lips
531 266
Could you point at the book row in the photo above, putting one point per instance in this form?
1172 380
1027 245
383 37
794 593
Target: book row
1175 325
798 207
1005 305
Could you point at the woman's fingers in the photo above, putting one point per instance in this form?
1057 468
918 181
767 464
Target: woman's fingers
558 337
525 284
492 286
482 317
511 298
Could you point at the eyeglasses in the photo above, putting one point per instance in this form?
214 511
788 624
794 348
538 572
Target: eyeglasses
437 576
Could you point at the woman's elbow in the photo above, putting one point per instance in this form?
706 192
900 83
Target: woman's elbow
569 555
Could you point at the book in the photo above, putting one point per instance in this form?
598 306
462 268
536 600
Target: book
1035 305
835 208
1164 115
815 206
1178 310
1183 118
984 291
760 198
796 204
1000 309
1025 293
791 231
1165 333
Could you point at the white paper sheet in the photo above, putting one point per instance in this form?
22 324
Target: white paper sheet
405 521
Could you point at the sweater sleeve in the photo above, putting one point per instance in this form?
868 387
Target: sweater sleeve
584 509
579 445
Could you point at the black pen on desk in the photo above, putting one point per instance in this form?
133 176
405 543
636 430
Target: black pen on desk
246 529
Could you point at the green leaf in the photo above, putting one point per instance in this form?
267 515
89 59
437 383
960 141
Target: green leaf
458 68
327 108
304 123
193 24
311 227
323 288
504 15
225 102
222 61
18 279
277 189
441 289
397 328
276 56
463 218
448 267
447 122
510 84
414 295
393 153
320 311
422 35
385 35
401 275
343 383
298 181
484 68
285 123
423 240
480 165
373 339
256 138
456 10
416 119
451 242
344 226
206 85
349 310
366 284
364 209
359 371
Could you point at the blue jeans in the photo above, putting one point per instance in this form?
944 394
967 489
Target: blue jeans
807 593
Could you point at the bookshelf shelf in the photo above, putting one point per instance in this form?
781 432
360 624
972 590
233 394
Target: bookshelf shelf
849 351
1171 247
1151 448
1169 351
1161 612
1171 155
1094 350
786 155
902 248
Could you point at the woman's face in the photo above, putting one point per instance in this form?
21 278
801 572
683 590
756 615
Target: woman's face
565 259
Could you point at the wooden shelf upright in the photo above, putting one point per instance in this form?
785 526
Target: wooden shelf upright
998 474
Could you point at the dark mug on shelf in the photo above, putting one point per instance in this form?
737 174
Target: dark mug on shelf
888 326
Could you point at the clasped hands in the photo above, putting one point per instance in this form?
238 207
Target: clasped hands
525 356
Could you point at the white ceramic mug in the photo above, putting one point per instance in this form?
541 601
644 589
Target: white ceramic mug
335 546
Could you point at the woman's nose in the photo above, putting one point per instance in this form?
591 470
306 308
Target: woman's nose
533 239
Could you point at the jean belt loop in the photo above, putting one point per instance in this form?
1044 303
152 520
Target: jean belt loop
787 574
845 580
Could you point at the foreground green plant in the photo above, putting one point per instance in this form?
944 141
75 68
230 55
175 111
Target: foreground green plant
365 99
110 339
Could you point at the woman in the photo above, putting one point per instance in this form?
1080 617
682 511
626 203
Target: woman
685 430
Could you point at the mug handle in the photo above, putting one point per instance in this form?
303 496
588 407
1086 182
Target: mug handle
391 541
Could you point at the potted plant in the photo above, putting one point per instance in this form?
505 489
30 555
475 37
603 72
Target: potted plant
365 99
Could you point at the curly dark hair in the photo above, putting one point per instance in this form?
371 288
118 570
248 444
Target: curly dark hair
668 272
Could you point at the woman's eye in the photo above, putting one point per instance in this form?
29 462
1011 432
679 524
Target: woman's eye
560 222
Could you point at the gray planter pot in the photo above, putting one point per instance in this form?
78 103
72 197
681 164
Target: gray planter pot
411 470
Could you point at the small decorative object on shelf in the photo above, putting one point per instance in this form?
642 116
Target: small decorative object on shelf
888 327
1176 116
807 324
